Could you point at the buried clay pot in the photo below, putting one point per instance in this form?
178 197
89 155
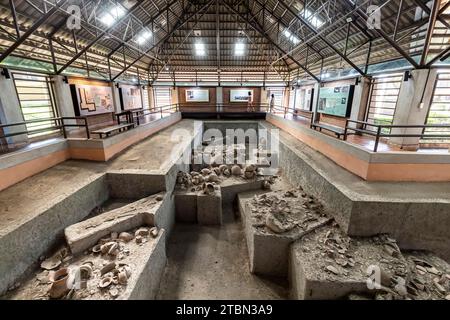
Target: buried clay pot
143 232
125 236
97 248
154 232
85 271
222 168
105 282
266 185
236 171
60 285
205 172
213 178
122 278
217 171
208 188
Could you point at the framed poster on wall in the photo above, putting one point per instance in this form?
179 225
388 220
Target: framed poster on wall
131 97
197 95
93 99
336 101
240 95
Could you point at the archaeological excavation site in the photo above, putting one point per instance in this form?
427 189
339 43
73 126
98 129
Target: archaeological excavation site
212 150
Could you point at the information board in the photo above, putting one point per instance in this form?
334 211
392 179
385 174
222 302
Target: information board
197 95
336 101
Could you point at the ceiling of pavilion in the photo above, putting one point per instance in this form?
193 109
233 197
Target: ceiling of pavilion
150 38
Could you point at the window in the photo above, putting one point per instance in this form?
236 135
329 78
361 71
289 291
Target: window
439 112
162 96
292 96
37 102
304 98
383 100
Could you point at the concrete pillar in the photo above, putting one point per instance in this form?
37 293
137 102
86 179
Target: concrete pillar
414 101
219 94
10 111
264 99
116 97
360 100
174 93
315 100
287 92
151 98
63 97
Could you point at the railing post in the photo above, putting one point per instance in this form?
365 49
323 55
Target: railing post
160 108
88 134
345 130
377 139
63 128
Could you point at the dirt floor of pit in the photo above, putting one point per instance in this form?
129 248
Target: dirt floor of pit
212 263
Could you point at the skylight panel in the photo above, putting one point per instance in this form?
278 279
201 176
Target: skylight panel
239 48
114 14
291 37
143 36
200 49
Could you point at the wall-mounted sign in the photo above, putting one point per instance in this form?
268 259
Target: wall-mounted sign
197 95
336 101
131 97
240 95
94 99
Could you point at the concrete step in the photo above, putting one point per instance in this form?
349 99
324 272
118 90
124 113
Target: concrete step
147 211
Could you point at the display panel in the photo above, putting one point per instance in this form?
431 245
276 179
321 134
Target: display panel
131 97
336 101
197 95
240 95
94 99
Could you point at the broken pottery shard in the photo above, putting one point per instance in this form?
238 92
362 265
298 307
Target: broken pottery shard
274 224
51 263
107 268
114 292
332 270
